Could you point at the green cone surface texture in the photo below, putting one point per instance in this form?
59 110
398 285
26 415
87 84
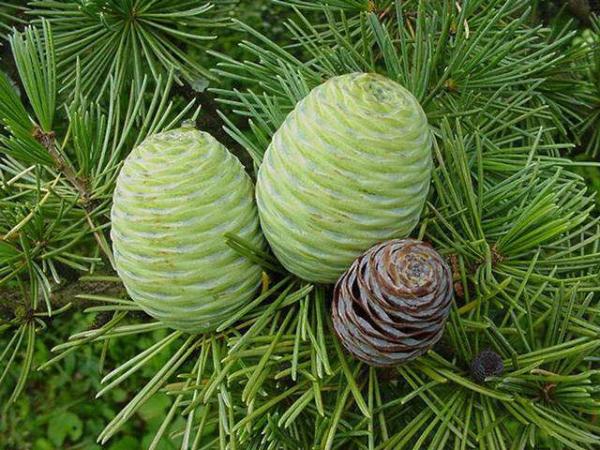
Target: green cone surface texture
349 167
176 196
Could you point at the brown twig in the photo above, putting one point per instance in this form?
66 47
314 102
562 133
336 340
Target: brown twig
497 257
64 294
48 141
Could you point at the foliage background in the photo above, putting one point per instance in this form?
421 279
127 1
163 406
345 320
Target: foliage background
58 410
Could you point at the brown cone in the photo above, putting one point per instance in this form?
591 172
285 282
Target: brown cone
392 304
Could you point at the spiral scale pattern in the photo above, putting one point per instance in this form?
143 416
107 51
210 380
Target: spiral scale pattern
349 167
177 194
486 364
392 304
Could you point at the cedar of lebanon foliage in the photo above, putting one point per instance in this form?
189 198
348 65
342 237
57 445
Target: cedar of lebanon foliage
509 101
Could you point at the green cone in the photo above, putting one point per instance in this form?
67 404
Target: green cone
349 167
176 196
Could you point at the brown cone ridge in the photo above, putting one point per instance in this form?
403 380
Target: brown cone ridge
391 305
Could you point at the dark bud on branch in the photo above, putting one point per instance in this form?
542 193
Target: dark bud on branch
392 304
101 319
487 364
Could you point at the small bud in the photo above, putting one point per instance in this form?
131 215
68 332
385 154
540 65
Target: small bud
487 364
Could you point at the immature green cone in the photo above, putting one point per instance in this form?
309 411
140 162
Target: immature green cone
349 167
176 196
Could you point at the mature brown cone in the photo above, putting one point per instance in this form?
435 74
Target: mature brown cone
392 304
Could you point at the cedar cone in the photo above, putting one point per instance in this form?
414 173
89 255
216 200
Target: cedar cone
486 364
391 305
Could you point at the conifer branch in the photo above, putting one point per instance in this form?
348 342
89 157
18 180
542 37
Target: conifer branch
507 100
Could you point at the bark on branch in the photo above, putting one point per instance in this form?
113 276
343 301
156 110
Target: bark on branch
48 140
